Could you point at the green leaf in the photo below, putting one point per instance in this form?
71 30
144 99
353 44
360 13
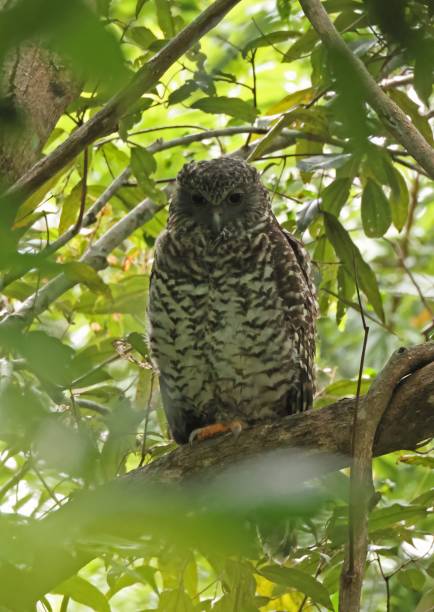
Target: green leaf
70 207
164 18
143 163
267 40
299 580
81 590
142 36
376 214
81 272
335 195
385 517
310 149
303 45
183 92
399 201
412 110
350 256
139 5
222 105
175 601
412 578
346 289
423 76
323 162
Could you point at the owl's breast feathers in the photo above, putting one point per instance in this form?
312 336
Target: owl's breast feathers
232 326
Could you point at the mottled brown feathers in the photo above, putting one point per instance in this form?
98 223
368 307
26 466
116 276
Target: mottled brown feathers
232 305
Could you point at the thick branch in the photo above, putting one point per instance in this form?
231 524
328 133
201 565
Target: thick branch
324 435
368 416
394 119
106 119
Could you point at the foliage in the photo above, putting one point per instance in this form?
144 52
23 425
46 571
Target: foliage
78 409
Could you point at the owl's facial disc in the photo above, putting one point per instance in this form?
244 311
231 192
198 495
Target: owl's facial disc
213 213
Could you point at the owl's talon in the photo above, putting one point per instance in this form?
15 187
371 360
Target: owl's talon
210 431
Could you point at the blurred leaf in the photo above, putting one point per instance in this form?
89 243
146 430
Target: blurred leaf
268 40
182 93
306 214
376 214
301 581
412 110
323 162
142 163
226 106
303 45
139 5
423 76
424 460
334 196
164 17
142 36
70 208
175 601
384 517
303 96
412 578
82 273
83 592
351 258
399 202
310 149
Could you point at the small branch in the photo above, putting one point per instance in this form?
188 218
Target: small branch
105 120
83 195
394 119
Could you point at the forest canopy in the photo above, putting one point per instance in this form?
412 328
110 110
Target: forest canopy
102 102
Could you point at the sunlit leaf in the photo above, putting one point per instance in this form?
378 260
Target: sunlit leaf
82 273
226 106
83 592
297 579
268 40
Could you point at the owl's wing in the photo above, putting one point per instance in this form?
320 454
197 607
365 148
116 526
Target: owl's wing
297 291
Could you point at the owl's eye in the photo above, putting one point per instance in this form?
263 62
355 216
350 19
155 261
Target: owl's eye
235 198
198 199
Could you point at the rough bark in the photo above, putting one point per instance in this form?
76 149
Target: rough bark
36 87
128 507
105 121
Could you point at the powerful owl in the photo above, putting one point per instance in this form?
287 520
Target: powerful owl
232 306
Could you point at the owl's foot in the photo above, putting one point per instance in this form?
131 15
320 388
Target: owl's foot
210 431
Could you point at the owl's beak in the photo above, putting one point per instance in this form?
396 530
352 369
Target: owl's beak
216 221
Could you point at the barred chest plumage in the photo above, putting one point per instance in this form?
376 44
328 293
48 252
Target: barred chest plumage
220 334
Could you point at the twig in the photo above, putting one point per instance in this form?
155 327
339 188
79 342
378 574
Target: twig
83 195
394 119
354 513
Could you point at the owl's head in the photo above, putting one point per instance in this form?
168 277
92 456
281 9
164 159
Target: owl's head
222 193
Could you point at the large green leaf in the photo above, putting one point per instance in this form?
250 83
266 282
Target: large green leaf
222 105
376 214
84 592
354 263
299 580
335 195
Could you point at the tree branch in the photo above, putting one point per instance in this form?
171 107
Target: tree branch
105 120
368 416
129 508
394 119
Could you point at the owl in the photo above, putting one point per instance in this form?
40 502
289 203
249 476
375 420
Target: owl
232 306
